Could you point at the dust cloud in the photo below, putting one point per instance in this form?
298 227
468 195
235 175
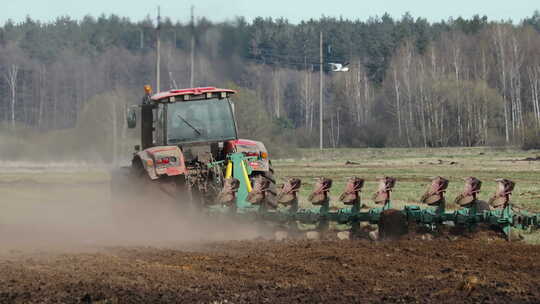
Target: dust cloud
52 211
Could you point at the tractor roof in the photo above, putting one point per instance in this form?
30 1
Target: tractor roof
192 94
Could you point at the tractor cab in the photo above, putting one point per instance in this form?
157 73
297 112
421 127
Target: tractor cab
196 126
187 116
196 120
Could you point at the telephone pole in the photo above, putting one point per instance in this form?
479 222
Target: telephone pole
158 46
192 76
321 92
141 38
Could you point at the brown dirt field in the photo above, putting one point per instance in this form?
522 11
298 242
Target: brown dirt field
296 271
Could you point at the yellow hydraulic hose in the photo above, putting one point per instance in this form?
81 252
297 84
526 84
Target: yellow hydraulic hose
246 178
228 171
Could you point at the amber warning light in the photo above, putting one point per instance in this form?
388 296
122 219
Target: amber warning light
147 89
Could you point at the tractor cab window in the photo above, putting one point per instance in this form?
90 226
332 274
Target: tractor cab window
158 133
200 121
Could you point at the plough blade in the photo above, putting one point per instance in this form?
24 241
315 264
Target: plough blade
282 207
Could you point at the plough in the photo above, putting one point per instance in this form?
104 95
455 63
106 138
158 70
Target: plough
281 206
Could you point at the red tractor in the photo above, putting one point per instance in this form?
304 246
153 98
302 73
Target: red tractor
187 139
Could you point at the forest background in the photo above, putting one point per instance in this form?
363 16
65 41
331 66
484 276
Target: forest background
65 84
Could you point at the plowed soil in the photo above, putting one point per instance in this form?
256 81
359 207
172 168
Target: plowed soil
261 271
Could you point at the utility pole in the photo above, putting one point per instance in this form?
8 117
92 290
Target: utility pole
191 78
158 46
142 38
321 92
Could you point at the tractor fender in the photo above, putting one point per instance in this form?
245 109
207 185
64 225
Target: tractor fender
248 147
150 161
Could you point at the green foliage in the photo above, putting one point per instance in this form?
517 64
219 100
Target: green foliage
471 26
534 20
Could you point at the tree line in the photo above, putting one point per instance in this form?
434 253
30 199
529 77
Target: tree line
410 82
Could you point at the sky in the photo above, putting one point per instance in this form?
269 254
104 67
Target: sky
293 10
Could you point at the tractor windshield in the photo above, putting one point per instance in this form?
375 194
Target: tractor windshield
200 121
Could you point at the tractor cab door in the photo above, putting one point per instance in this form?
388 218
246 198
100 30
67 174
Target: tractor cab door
147 125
